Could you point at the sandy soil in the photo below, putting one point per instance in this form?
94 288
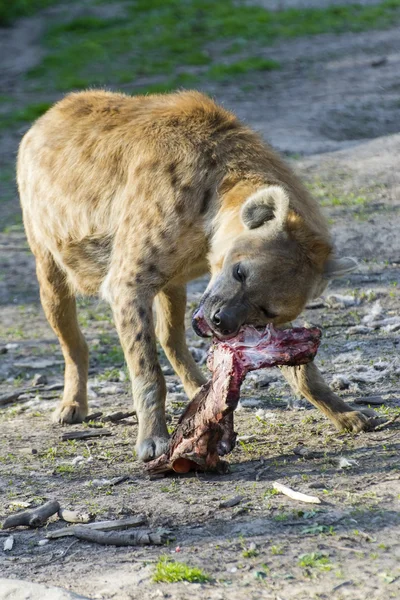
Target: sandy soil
336 116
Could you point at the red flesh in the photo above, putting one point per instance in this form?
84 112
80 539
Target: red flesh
205 430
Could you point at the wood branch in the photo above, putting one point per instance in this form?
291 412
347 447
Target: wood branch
35 517
279 487
74 516
100 525
84 435
122 538
14 395
386 423
118 416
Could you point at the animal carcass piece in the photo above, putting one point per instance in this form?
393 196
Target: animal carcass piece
205 430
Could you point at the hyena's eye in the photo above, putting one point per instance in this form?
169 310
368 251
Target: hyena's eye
238 273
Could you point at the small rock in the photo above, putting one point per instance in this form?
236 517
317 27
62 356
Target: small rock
375 400
391 328
347 358
77 460
318 303
3 350
167 370
199 355
39 379
346 463
8 543
231 502
12 346
266 380
340 382
379 62
250 402
339 301
358 329
43 542
265 415
381 365
374 314
110 390
306 452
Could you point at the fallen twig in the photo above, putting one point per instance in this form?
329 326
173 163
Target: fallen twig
295 495
123 538
57 557
83 435
12 396
35 517
100 525
118 416
386 423
74 516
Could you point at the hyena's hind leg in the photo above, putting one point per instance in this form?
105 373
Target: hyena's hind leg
170 329
60 309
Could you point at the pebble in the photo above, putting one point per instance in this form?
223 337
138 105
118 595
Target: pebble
199 355
250 402
358 329
39 378
375 400
340 382
167 370
231 502
339 301
12 346
266 380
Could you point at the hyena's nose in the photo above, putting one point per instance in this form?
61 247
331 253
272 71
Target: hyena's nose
224 321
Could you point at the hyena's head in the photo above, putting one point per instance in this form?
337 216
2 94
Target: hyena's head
268 269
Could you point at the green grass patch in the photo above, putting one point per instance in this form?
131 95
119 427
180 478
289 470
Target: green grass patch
157 37
329 195
315 560
29 113
241 67
171 571
12 9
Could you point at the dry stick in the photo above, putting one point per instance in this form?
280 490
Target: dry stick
123 538
83 435
102 525
59 557
12 396
295 495
389 422
36 517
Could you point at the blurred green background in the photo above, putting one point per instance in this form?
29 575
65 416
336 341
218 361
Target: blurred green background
147 46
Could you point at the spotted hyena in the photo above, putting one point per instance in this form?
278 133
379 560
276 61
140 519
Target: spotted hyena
132 197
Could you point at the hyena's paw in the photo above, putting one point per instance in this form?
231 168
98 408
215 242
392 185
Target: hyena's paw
70 413
357 421
151 448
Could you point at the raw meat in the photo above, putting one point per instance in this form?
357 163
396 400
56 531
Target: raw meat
205 430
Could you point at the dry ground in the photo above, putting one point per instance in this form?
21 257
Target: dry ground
334 106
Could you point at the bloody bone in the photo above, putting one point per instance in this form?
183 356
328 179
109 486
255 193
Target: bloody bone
205 430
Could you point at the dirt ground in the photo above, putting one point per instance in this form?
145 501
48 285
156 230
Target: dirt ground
336 115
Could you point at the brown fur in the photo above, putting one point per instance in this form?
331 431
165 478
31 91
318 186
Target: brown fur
130 198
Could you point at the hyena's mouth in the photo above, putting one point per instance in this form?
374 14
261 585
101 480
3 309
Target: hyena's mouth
200 324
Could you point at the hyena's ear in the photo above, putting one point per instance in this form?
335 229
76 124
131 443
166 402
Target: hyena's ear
337 267
267 204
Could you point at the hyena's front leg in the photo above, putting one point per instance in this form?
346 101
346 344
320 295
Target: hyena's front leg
132 308
308 381
170 329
